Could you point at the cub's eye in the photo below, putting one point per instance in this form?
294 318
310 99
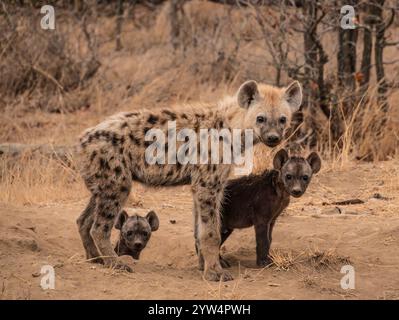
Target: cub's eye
305 178
288 177
260 119
283 120
145 234
129 233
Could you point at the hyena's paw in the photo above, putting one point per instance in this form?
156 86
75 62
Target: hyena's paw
123 267
217 275
224 263
117 265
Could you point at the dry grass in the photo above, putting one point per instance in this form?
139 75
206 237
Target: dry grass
369 133
312 258
36 180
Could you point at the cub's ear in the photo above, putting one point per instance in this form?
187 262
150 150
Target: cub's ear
293 95
153 220
247 93
280 158
315 162
121 219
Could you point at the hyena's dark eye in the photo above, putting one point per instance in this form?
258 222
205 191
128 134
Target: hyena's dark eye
145 234
305 178
288 176
283 120
129 233
260 119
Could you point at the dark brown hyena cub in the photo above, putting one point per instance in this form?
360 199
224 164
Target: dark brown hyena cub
257 200
135 231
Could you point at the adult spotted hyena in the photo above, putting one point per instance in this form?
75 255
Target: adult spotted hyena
113 155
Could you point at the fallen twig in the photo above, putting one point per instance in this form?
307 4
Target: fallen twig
344 202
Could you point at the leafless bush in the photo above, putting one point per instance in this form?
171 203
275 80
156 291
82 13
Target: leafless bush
178 51
41 62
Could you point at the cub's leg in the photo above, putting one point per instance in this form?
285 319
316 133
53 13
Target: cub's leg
271 230
208 199
262 245
225 233
85 221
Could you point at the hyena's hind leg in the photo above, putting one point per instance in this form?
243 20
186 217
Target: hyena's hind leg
85 222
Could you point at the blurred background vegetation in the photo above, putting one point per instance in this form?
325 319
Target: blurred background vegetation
106 56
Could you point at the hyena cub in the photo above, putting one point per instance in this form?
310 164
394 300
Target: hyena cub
135 232
258 200
113 154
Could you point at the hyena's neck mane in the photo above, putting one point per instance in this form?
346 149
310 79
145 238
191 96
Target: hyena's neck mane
233 114
224 114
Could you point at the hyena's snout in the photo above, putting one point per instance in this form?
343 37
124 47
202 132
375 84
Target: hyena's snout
139 245
273 139
272 133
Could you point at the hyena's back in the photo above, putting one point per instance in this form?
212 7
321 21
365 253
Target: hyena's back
114 150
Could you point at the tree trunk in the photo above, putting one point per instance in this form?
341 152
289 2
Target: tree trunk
119 20
379 55
366 59
174 23
314 75
347 39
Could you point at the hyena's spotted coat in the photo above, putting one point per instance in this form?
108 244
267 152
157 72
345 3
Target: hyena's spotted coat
113 155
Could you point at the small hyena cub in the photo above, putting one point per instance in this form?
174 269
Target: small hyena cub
135 231
257 200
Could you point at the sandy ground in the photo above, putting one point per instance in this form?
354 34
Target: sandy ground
312 242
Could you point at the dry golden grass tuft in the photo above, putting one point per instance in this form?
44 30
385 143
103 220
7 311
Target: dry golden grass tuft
38 180
311 258
326 259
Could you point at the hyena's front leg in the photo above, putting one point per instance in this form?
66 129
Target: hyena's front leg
111 190
208 199
262 245
104 219
224 235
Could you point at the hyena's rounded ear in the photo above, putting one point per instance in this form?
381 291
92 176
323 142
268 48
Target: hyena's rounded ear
247 93
293 95
314 161
153 220
121 219
280 158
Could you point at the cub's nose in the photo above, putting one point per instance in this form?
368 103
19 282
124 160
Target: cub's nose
296 192
138 245
272 139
